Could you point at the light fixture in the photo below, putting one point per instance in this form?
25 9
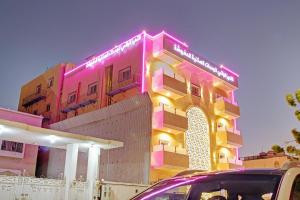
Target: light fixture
52 138
2 129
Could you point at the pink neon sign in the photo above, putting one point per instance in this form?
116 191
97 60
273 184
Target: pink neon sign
116 50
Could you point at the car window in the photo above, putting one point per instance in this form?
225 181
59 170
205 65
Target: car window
295 194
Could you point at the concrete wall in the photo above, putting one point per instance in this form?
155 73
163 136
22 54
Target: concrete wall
128 121
273 162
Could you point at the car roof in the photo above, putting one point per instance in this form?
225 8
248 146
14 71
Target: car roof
264 171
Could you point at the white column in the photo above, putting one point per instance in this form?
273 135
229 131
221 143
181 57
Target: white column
70 166
92 169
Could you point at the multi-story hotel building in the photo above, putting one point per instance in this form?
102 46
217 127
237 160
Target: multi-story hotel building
172 108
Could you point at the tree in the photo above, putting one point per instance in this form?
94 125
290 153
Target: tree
294 102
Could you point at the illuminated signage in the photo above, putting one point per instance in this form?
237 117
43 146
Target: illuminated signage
116 50
197 60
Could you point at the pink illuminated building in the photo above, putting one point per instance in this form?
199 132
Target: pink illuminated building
172 109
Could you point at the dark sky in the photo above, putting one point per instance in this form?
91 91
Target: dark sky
258 39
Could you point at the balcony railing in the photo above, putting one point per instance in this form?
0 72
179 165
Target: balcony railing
170 109
165 156
226 108
168 119
33 98
229 137
169 148
83 101
118 87
169 84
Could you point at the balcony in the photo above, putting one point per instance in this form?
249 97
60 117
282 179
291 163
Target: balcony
229 163
226 108
118 87
172 86
85 101
33 98
166 157
168 119
229 138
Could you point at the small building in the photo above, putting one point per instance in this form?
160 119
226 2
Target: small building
20 138
268 159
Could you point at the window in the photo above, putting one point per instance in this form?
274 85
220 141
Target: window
195 90
92 89
48 107
12 146
50 82
72 97
124 74
295 194
38 89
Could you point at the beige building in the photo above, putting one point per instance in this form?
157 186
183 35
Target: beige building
173 109
266 160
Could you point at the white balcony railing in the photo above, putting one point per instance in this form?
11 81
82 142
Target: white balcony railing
167 108
170 148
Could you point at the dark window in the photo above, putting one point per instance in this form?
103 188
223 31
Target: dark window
295 194
48 107
38 89
92 89
124 74
50 82
195 90
12 146
72 97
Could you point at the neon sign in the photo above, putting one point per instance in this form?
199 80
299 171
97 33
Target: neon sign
116 50
197 60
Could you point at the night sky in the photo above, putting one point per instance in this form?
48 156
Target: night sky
258 39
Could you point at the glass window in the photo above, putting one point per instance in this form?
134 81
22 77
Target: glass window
295 195
124 74
92 89
50 82
12 146
72 97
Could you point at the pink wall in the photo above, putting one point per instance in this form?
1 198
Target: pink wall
28 162
21 117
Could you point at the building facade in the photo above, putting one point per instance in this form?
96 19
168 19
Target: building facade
193 107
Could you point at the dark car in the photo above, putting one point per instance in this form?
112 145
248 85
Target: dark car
258 184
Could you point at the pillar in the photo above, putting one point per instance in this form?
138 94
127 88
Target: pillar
92 169
70 167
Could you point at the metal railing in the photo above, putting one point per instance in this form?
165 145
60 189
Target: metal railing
35 97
